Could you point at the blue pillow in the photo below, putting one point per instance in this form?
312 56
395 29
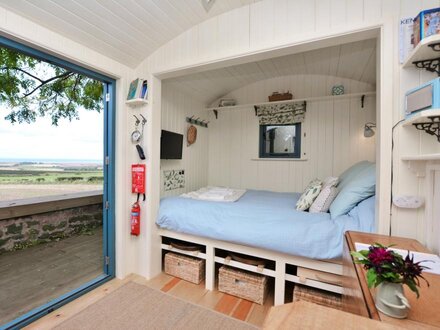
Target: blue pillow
352 172
359 188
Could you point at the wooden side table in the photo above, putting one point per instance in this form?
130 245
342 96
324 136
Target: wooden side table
306 315
357 298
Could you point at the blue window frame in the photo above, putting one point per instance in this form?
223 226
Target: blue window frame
280 141
109 184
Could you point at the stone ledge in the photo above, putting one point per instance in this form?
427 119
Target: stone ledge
38 205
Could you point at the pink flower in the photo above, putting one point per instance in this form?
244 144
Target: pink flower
379 255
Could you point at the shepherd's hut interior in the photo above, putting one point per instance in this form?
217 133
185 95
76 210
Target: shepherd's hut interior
219 164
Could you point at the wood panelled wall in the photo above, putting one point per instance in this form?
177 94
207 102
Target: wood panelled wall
300 85
176 106
333 141
273 23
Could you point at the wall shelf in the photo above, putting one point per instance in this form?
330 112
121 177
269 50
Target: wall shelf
424 157
427 121
136 102
425 50
421 117
308 99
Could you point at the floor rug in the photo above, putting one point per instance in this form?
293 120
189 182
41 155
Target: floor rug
135 306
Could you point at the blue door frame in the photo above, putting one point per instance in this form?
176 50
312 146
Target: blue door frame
109 184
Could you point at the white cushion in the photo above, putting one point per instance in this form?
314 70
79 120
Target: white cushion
331 181
324 200
309 195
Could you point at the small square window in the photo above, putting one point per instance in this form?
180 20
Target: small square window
280 141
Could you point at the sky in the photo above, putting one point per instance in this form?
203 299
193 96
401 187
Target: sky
77 140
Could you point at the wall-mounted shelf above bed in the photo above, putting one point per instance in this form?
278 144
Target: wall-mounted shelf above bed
308 99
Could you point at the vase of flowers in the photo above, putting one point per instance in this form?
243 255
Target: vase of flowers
389 271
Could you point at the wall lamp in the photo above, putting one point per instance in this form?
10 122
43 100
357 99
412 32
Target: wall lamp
368 129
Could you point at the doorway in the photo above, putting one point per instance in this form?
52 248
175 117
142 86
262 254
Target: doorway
61 237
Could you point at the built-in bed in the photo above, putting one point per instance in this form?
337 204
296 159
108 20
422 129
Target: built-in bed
266 220
300 247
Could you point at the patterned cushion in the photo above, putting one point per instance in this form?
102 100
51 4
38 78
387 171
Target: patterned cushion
324 200
309 195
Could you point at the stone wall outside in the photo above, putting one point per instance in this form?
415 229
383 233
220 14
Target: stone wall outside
22 232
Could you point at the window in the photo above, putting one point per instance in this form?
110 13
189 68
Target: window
280 141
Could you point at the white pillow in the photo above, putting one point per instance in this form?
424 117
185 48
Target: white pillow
324 200
309 195
331 181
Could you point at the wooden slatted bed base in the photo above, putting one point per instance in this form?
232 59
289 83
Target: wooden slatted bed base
321 274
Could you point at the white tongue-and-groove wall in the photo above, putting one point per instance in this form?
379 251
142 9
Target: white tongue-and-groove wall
176 106
333 135
271 24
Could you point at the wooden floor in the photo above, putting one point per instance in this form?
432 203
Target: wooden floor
30 278
220 302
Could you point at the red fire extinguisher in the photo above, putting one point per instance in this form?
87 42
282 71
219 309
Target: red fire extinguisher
135 219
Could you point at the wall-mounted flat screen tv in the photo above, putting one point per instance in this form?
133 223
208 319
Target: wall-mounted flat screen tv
171 145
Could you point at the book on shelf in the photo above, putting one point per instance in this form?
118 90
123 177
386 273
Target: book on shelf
138 89
144 90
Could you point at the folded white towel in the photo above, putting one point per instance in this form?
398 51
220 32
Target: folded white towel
216 194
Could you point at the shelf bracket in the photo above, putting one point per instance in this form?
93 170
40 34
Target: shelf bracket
435 47
215 113
432 65
432 127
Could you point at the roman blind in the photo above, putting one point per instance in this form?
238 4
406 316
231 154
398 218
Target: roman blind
281 114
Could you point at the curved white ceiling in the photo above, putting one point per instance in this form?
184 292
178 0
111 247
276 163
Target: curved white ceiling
125 30
356 61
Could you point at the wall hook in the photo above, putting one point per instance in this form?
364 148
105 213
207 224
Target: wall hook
137 120
196 121
144 120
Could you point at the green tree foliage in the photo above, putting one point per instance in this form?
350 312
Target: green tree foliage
30 88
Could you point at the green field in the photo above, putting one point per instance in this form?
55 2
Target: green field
25 174
40 177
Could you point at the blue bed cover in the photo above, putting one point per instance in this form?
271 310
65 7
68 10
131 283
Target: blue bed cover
266 220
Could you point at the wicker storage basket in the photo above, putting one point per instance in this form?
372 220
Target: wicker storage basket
243 284
187 268
320 297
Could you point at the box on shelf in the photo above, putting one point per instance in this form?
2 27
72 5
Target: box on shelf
227 103
424 97
190 269
243 284
280 96
426 23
